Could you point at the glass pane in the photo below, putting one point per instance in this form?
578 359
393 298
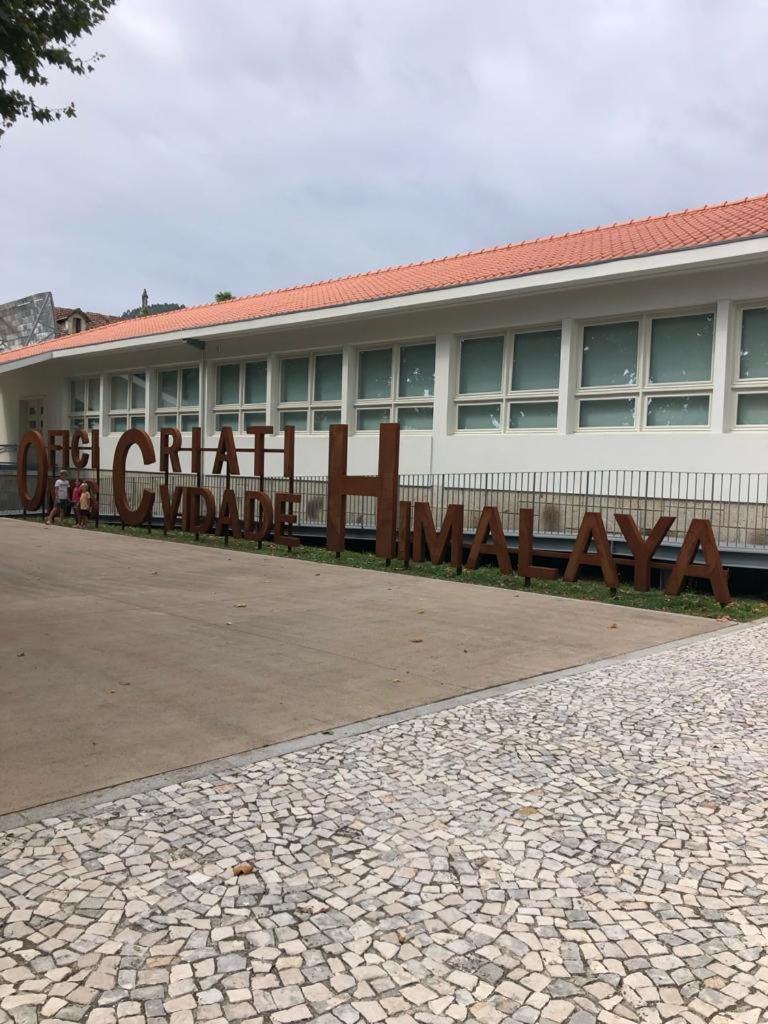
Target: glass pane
138 422
138 391
167 394
190 420
254 419
375 374
752 409
681 349
167 421
190 386
77 395
328 378
536 361
369 419
76 423
293 418
255 383
228 384
480 370
479 417
94 395
324 418
227 419
293 380
119 392
678 411
91 423
610 355
417 372
533 415
415 417
753 358
612 412
119 424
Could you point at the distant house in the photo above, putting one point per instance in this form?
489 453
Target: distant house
34 319
72 321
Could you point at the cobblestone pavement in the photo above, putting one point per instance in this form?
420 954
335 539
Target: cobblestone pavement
592 850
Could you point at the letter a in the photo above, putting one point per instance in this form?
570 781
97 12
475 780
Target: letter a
490 540
592 529
700 535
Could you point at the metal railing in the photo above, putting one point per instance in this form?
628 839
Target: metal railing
735 503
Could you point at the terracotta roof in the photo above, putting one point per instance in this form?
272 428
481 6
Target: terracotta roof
708 225
62 313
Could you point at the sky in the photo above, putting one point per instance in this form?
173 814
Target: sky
246 145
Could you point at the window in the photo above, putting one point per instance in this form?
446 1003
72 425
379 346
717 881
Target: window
310 392
752 371
396 385
240 396
509 382
649 373
85 404
127 401
178 398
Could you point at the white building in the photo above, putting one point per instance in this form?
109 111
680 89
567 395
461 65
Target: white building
637 346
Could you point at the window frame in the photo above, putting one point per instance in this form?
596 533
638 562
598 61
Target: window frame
395 402
82 420
642 390
241 408
744 385
310 405
506 397
178 410
132 411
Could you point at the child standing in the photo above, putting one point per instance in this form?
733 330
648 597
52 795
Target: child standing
85 505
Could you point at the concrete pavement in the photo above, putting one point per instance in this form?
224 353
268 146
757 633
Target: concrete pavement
123 658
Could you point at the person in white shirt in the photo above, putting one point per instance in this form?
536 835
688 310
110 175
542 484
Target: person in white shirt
61 498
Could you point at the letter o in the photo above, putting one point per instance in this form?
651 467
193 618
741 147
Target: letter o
32 439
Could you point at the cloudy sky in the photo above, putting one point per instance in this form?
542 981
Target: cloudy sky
248 145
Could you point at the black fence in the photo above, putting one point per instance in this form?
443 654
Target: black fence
735 503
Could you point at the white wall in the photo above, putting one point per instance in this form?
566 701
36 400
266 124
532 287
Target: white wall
716 448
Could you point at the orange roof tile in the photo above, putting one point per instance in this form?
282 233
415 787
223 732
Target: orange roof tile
708 225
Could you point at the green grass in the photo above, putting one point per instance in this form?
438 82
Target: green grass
690 602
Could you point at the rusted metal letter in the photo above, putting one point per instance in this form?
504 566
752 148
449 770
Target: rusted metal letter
226 452
194 520
58 441
490 540
700 535
592 529
229 516
267 515
643 550
259 434
79 459
171 505
451 535
32 440
170 446
383 487
404 533
142 440
525 565
285 519
197 451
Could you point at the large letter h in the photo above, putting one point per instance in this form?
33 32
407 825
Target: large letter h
382 487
